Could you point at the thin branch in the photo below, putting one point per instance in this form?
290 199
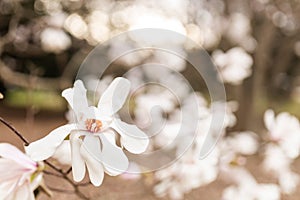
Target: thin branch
64 175
52 174
84 184
61 190
54 167
15 131
69 170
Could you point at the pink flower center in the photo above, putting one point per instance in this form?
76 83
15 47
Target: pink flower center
93 125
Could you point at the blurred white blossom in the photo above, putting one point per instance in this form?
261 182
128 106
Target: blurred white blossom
234 65
55 40
98 25
282 149
152 103
276 162
56 20
245 143
253 191
187 173
239 30
284 130
76 26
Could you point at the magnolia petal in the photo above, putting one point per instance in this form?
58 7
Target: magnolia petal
114 97
23 191
9 181
63 153
94 113
113 158
44 148
37 181
9 151
5 189
9 170
76 97
12 176
78 166
132 138
89 150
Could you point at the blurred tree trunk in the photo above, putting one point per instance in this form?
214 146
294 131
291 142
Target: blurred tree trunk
253 109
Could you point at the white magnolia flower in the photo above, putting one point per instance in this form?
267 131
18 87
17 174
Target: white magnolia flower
19 175
92 138
279 164
235 65
285 131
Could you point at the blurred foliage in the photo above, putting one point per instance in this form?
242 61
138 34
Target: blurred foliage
45 100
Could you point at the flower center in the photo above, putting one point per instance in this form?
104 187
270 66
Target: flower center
93 125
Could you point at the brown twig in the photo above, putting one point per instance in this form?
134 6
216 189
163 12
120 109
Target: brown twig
60 190
52 174
69 170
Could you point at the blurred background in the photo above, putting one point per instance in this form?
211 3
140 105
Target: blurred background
44 42
255 44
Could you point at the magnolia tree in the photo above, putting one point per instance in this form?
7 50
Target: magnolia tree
149 94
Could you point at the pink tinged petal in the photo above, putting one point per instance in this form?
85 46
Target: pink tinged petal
5 189
10 170
9 151
76 97
78 166
112 157
89 150
44 148
114 96
132 138
9 179
9 187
